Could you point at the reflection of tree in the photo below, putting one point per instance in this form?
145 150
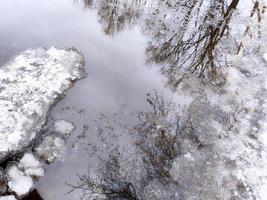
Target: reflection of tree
110 186
194 48
114 14
160 132
183 35
88 3
168 159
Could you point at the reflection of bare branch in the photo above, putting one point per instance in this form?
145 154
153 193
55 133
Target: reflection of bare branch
192 45
160 136
88 3
161 133
196 49
114 14
111 186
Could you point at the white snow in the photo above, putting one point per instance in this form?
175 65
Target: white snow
189 156
10 197
29 86
31 166
63 127
28 160
18 182
21 175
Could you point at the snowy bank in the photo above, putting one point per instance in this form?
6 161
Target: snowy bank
30 85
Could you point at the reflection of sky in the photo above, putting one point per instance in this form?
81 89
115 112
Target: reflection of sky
115 66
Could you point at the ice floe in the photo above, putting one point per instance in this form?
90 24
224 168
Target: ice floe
30 85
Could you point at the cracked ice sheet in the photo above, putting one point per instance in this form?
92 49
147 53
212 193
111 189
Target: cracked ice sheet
29 86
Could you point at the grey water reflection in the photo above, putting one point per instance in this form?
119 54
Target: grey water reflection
183 36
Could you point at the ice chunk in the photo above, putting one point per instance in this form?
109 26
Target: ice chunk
29 86
31 166
29 161
50 149
265 57
10 197
18 182
63 127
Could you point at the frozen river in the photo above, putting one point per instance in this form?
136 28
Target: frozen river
117 41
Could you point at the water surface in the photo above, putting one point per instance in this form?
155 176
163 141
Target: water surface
117 74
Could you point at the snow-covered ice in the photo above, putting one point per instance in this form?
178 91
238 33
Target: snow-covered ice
18 182
9 197
22 174
50 149
30 85
31 166
63 127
